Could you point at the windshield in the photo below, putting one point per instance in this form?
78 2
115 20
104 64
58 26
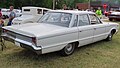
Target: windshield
57 18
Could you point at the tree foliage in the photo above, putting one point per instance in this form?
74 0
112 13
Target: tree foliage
44 3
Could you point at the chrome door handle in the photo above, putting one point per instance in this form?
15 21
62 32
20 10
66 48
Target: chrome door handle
80 31
95 28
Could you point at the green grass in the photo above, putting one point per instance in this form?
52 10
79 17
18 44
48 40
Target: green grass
97 55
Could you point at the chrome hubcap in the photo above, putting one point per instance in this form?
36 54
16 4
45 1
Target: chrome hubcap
69 47
110 36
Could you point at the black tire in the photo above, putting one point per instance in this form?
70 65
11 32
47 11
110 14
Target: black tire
4 17
7 16
110 19
109 38
68 49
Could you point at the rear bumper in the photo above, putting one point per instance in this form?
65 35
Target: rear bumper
23 44
31 48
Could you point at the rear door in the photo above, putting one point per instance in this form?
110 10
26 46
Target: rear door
85 30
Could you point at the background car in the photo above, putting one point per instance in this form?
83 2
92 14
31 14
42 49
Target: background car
114 15
6 12
30 15
107 13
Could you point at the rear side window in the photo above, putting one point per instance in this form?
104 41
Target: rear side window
39 11
83 20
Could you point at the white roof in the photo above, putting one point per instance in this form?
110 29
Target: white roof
29 7
74 11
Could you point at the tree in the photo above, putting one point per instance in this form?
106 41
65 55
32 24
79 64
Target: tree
46 3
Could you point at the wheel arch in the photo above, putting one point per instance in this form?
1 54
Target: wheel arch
75 42
114 30
67 52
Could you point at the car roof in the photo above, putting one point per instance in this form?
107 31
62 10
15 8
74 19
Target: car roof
73 11
31 7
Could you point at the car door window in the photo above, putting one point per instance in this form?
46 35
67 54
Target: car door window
94 19
83 20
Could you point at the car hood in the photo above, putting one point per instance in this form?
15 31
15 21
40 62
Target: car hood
34 29
111 23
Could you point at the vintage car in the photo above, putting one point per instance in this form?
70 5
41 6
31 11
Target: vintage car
30 15
114 15
61 30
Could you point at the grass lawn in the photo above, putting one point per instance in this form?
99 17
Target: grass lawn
102 54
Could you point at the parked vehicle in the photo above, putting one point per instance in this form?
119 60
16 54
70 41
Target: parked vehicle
107 13
61 30
114 15
18 12
30 15
6 12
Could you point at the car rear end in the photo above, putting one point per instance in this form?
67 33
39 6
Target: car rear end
114 16
23 19
22 40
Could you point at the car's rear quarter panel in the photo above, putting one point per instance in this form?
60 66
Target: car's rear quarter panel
59 40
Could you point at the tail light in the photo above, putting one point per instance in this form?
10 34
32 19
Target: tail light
109 13
34 40
4 30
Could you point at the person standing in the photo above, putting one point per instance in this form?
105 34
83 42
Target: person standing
1 20
99 13
1 23
0 13
12 15
65 7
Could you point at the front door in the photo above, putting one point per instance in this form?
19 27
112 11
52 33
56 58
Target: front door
99 28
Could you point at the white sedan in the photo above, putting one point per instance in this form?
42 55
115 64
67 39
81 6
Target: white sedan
61 30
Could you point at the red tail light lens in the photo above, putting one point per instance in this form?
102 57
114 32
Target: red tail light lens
34 40
4 30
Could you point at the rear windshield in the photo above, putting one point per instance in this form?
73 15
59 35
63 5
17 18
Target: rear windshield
57 18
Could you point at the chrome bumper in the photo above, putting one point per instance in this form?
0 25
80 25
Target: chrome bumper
23 44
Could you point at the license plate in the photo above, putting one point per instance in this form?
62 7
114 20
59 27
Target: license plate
17 43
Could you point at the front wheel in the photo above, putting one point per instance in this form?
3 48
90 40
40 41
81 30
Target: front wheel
68 49
109 38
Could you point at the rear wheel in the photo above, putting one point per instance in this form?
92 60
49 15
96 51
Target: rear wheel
68 49
110 19
7 16
4 17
